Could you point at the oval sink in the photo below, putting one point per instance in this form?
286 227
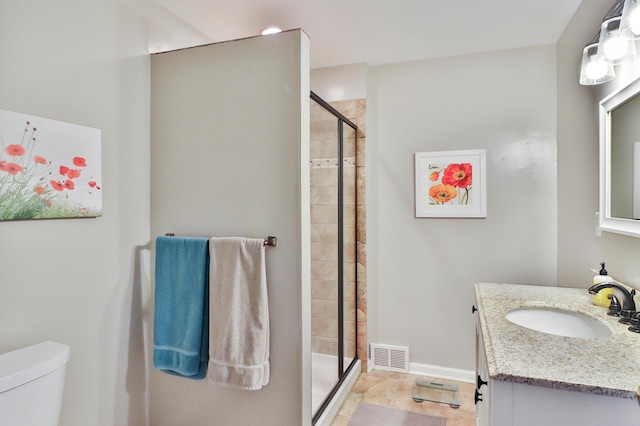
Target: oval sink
559 322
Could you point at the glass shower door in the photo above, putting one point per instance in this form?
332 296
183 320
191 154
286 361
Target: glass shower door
333 250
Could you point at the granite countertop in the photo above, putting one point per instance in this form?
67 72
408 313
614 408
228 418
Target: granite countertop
602 366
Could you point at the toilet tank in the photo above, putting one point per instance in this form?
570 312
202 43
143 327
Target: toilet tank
32 384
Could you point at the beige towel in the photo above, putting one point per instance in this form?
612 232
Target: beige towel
239 314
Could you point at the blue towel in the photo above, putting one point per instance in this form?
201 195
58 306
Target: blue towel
181 317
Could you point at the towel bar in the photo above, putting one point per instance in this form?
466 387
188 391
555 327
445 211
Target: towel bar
269 241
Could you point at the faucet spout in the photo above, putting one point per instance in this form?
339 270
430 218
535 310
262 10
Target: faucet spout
627 297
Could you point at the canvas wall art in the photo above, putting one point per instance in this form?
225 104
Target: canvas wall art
450 184
48 169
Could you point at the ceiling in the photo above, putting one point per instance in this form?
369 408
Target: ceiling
381 31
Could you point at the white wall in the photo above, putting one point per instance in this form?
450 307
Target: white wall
421 271
81 282
230 157
342 83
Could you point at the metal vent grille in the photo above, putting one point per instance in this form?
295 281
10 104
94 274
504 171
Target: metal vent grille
392 358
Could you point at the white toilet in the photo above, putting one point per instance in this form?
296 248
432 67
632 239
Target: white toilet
32 384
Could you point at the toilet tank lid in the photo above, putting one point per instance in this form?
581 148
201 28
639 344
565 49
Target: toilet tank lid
24 365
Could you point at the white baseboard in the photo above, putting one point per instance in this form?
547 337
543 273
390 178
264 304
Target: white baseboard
446 373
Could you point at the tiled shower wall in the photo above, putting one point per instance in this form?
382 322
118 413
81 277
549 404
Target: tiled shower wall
324 231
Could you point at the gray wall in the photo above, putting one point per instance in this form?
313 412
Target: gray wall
230 157
83 282
579 249
422 271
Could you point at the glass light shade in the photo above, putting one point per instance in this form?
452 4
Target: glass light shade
630 22
595 68
614 44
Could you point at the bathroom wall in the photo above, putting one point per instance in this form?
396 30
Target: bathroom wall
343 83
579 248
230 157
83 282
619 251
421 272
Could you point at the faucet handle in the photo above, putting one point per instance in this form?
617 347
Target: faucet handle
635 323
614 306
625 316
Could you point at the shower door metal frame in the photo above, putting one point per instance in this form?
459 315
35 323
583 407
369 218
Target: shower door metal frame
342 373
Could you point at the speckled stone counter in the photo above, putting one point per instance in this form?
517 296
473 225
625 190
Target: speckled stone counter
603 366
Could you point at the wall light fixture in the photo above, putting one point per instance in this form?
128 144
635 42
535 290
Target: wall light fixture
613 45
617 46
595 68
631 19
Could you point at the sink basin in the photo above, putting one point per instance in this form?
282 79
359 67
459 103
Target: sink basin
559 322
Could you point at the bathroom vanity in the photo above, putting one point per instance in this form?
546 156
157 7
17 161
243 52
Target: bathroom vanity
528 377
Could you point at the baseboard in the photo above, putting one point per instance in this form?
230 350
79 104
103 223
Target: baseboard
446 373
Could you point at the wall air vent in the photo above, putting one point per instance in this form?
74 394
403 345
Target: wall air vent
391 358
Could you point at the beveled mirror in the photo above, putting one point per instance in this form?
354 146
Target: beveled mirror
620 161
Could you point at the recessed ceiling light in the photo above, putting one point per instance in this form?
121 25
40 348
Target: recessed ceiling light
271 30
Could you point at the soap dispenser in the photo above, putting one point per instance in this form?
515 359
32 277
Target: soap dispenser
601 298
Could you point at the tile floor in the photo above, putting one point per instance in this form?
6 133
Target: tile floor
395 390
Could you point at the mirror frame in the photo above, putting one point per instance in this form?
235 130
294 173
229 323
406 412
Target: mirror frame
606 222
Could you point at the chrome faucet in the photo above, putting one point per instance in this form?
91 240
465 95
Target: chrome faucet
627 297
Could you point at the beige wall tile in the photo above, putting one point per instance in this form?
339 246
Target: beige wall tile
324 327
324 176
324 233
349 174
349 293
362 216
349 252
322 289
324 270
361 156
349 147
350 314
329 346
324 195
324 214
349 215
349 233
350 328
324 252
346 108
361 233
323 308
350 197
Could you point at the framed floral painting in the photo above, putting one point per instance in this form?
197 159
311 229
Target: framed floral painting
48 169
451 184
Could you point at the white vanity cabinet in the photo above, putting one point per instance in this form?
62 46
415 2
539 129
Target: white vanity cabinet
514 402
483 387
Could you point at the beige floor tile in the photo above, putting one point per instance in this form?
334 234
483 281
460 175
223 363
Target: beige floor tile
340 421
396 390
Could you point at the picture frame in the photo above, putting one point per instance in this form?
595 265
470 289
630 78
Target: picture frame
49 169
450 184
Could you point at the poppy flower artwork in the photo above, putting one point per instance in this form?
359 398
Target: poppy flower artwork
450 184
48 169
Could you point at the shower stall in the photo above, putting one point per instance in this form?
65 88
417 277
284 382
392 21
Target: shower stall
333 251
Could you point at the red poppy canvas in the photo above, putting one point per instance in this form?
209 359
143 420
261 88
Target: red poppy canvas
450 184
48 169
